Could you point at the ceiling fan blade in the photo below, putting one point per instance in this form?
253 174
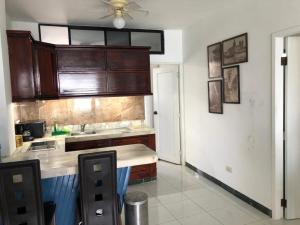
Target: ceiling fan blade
107 3
127 15
143 11
107 16
133 6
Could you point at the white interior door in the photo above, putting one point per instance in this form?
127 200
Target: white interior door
293 128
167 113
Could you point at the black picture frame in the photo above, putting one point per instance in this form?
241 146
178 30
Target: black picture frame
214 60
233 53
215 96
234 82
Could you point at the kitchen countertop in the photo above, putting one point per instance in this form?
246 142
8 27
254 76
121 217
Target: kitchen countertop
57 162
100 134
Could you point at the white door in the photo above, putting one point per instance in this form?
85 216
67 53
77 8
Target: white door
293 128
166 113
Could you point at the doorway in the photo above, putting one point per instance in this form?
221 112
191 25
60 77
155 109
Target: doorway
286 129
166 106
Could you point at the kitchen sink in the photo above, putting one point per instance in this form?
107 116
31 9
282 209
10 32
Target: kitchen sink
83 133
42 145
102 132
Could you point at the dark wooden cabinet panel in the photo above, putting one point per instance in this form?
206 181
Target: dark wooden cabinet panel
45 71
81 58
20 48
75 146
130 140
128 59
129 82
82 84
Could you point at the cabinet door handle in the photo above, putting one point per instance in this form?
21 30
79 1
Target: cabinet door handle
155 113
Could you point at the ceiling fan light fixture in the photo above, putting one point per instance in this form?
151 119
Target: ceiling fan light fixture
119 22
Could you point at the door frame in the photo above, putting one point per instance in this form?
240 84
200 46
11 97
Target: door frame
278 169
181 104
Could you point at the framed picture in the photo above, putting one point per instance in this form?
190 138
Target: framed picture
215 104
231 85
235 50
214 56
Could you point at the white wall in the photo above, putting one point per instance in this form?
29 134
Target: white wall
7 140
28 26
241 137
173 49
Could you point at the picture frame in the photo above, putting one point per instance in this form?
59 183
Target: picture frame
235 50
214 60
215 96
231 85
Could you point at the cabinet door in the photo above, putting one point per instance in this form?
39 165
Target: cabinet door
81 59
130 141
82 84
127 83
84 145
46 75
128 59
21 65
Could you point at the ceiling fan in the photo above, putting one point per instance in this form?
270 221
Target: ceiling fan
121 10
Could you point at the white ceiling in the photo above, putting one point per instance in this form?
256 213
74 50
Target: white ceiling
164 14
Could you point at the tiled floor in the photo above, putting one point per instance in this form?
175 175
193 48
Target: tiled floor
181 197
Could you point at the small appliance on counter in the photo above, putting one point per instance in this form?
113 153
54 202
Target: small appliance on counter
31 129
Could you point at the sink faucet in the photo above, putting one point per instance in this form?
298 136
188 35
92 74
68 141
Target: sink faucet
82 128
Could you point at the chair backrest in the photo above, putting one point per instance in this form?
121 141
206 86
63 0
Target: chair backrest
20 193
98 188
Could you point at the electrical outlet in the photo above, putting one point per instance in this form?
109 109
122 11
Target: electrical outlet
228 169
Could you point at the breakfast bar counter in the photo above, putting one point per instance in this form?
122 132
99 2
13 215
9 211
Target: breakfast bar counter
57 162
59 171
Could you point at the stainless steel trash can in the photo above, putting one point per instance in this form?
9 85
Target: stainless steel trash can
136 208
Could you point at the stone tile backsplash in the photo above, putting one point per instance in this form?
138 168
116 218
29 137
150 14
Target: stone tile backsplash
92 110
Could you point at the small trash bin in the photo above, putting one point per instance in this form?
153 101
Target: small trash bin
136 208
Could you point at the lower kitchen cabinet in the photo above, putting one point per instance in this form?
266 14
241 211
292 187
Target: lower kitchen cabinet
138 173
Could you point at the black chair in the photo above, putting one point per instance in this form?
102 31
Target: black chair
98 190
20 195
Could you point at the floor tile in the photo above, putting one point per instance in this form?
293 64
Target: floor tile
172 198
232 216
181 196
201 219
184 209
159 215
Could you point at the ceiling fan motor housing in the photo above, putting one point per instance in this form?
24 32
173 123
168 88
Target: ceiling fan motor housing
119 3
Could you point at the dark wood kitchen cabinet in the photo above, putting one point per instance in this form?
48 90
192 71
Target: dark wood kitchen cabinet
128 59
20 49
45 71
128 71
138 173
32 67
81 71
83 59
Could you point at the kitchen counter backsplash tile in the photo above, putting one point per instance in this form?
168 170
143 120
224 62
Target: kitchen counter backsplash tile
82 110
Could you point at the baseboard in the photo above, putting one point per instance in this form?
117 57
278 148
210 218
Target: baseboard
236 193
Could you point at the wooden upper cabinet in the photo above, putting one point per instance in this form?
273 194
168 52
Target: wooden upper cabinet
129 82
81 58
20 48
82 83
45 71
128 59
